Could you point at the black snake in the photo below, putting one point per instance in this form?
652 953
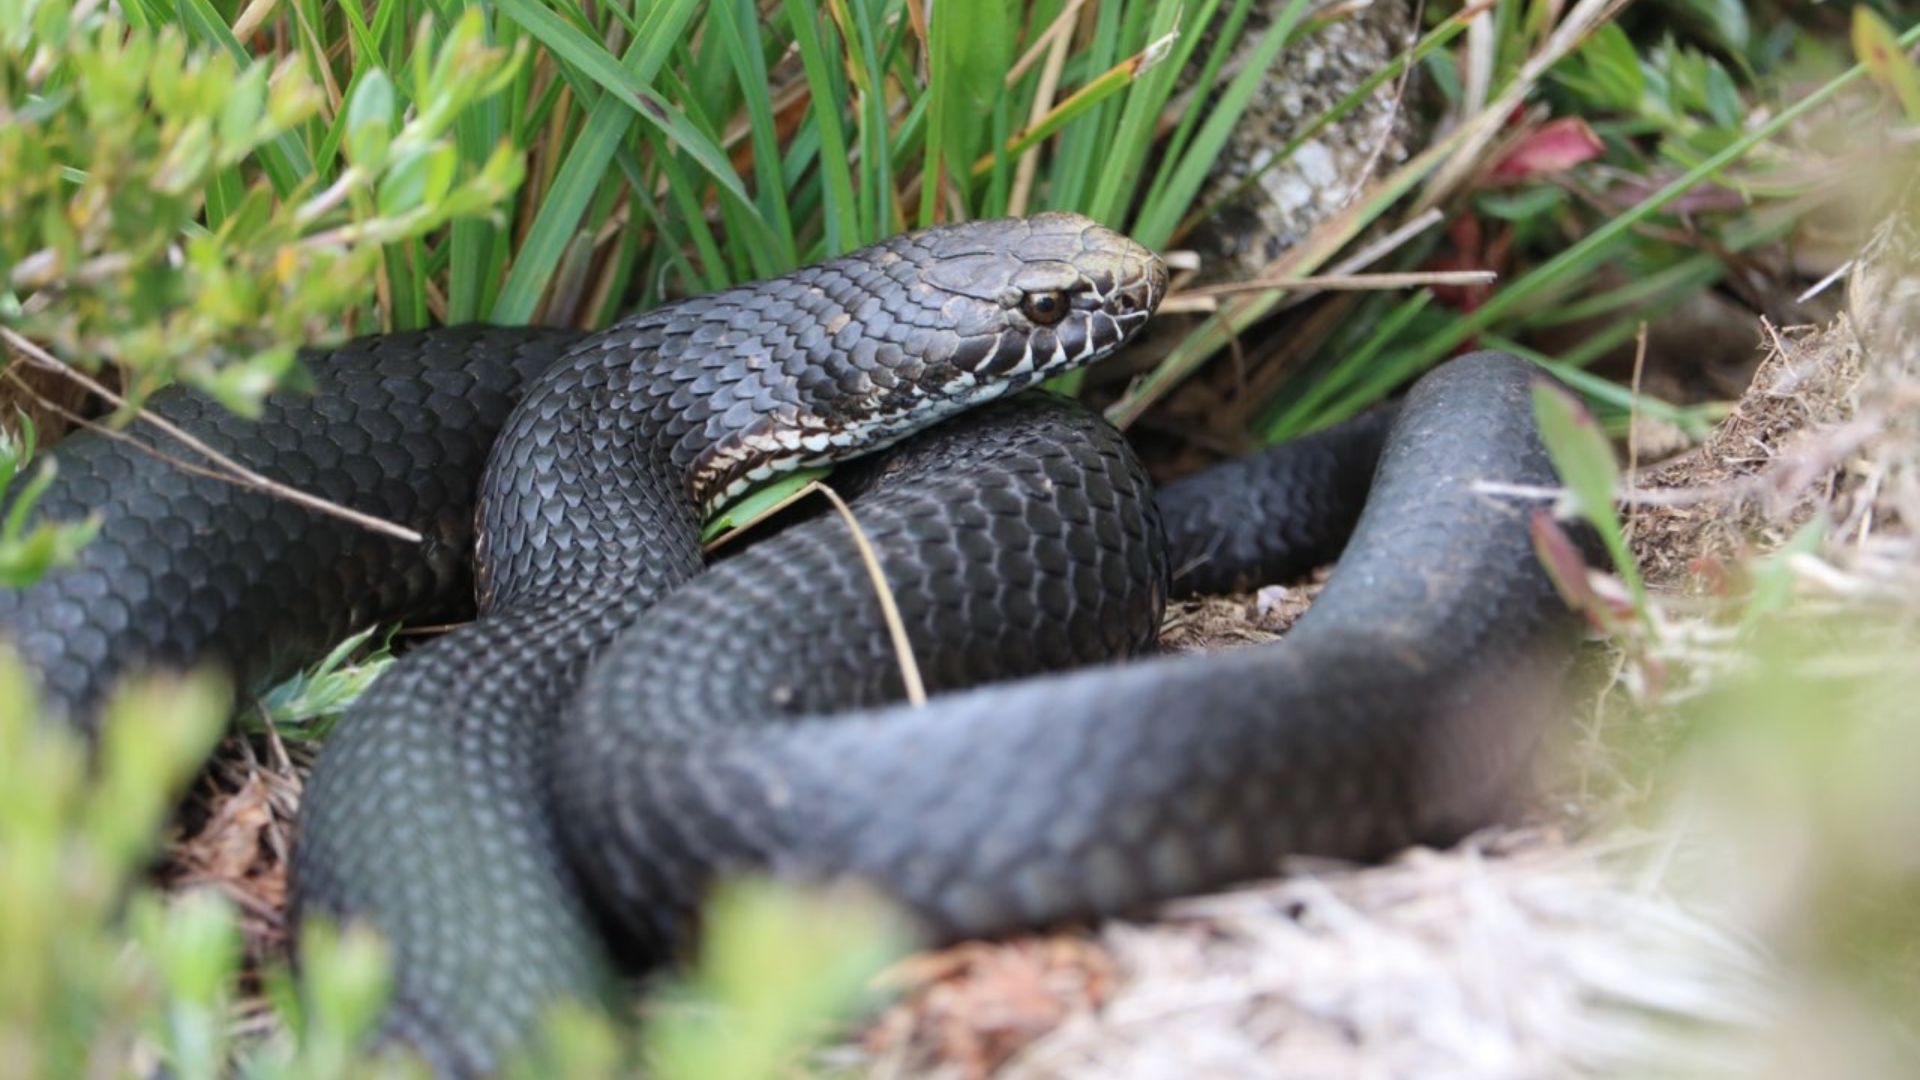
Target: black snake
559 781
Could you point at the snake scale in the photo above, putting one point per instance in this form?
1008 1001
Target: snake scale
555 784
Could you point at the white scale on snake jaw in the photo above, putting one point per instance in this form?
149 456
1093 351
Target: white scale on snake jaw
1122 300
790 451
963 392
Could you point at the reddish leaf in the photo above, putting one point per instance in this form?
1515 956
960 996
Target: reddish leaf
1568 569
1468 249
1703 199
1555 147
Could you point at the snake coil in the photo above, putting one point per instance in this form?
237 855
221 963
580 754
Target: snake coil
622 724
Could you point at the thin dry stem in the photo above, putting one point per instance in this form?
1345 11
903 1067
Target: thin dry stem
896 629
1054 38
229 470
1043 101
1400 85
1204 298
1633 427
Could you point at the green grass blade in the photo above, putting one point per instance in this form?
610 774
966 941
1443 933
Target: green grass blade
630 83
366 44
1133 140
1238 314
591 155
685 195
737 31
1079 103
1158 220
842 209
1685 277
971 48
876 172
1298 416
477 246
1695 420
580 175
1434 39
1223 44
409 287
1083 143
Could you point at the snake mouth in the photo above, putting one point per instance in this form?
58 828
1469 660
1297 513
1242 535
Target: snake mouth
1141 277
1121 277
1157 280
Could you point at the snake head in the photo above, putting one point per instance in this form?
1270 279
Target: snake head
1031 298
850 356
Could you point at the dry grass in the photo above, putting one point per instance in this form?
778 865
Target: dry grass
1515 955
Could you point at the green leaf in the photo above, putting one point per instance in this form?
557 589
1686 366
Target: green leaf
1722 96
758 503
243 386
1598 244
370 121
1723 22
346 981
1612 69
419 179
970 48
285 158
1584 460
26 559
240 116
778 966
187 161
1525 204
304 706
1580 451
1772 576
1885 60
16 451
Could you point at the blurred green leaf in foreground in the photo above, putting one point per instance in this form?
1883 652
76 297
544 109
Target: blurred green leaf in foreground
158 211
103 974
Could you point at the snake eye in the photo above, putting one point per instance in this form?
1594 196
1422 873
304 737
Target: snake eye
1045 308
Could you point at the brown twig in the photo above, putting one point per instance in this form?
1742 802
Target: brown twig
1633 428
889 611
1204 298
1043 101
1394 108
228 469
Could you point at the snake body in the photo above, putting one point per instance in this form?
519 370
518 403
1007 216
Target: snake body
618 728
